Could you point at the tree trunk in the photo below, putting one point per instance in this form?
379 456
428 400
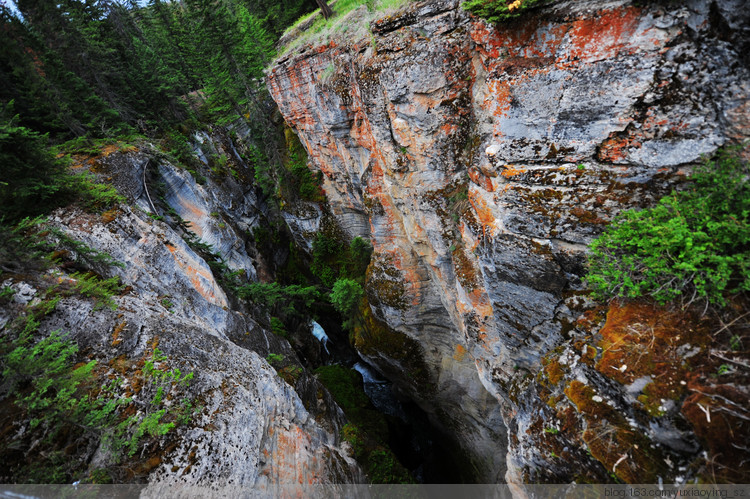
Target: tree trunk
324 8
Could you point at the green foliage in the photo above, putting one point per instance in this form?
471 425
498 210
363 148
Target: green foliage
302 182
63 400
360 251
95 196
367 430
33 243
167 303
32 180
352 434
383 467
345 295
332 259
287 300
498 11
6 293
345 386
277 327
694 244
274 358
93 286
735 343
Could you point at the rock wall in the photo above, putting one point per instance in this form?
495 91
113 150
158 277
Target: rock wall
254 429
481 161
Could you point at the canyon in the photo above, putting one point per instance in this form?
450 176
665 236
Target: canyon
480 161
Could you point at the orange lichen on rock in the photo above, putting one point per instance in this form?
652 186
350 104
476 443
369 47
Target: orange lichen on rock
483 210
480 179
511 171
602 36
460 353
553 370
501 97
116 333
642 339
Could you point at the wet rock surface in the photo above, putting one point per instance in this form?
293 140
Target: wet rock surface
481 161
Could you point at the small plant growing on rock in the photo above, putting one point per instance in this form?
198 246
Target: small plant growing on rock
274 358
692 245
498 11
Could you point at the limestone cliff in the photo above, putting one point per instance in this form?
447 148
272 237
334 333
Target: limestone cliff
481 161
253 428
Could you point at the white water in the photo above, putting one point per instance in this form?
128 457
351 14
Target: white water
368 374
379 391
320 334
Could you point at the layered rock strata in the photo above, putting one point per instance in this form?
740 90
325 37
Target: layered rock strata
253 428
481 161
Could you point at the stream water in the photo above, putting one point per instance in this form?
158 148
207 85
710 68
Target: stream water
419 446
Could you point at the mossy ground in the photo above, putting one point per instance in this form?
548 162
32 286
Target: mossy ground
678 354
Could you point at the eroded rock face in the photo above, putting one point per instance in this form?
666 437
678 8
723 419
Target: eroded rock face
483 160
253 429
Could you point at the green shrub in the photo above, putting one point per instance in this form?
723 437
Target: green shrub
352 434
278 328
274 358
34 181
694 244
62 395
305 182
497 11
383 467
101 290
345 295
367 430
345 387
94 196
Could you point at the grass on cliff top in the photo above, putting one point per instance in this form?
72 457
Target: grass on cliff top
351 19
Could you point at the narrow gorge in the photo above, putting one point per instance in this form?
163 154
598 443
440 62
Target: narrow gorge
480 161
387 284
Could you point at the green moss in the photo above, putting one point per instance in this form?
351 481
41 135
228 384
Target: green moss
499 11
367 431
374 338
385 283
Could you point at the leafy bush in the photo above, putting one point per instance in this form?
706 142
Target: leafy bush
94 196
367 430
101 290
345 295
497 11
304 182
34 181
694 244
63 401
278 328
